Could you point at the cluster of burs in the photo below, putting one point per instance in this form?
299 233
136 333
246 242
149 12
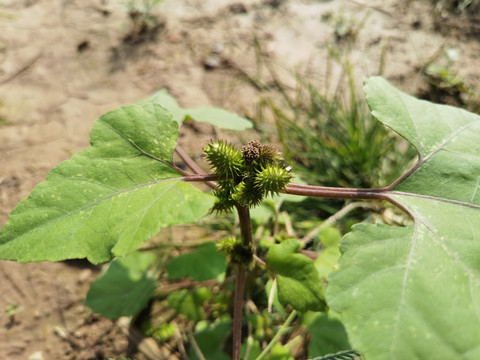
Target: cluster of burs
247 175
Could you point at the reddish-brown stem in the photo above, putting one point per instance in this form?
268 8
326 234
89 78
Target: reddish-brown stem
336 193
188 160
238 311
317 191
247 240
245 225
201 178
195 168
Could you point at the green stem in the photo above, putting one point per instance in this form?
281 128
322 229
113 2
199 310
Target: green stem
277 336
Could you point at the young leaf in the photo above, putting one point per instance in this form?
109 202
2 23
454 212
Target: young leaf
212 115
414 292
125 288
298 281
279 352
204 263
210 338
253 346
190 302
219 117
330 253
163 98
109 198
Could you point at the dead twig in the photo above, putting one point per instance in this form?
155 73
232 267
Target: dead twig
20 71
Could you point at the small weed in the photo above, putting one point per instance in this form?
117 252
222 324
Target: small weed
457 17
145 24
445 85
12 310
346 29
457 6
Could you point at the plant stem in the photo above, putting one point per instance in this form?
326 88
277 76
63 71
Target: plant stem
337 193
245 225
312 190
238 311
192 165
247 240
332 192
277 336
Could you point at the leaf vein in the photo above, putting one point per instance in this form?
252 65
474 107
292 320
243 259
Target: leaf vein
86 206
136 146
401 305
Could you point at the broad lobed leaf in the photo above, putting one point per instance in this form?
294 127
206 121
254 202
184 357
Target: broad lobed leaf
203 264
109 198
414 292
125 288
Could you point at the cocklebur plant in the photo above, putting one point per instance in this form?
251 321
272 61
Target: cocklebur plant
409 292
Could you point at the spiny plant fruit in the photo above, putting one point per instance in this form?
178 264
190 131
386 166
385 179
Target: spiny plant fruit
246 175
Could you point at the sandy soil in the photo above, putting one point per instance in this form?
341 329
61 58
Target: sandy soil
65 63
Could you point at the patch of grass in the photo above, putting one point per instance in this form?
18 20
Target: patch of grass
458 18
457 6
333 139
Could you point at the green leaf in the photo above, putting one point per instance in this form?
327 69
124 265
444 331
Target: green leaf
414 292
279 352
163 98
109 198
125 288
219 117
298 281
254 349
190 302
204 263
328 256
327 333
210 338
212 115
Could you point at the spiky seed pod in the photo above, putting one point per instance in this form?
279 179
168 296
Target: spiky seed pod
223 193
251 151
246 194
224 159
236 251
269 155
223 204
260 155
271 179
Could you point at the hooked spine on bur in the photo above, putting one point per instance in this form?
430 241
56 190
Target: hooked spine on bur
248 175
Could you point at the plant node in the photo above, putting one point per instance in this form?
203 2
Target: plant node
237 252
